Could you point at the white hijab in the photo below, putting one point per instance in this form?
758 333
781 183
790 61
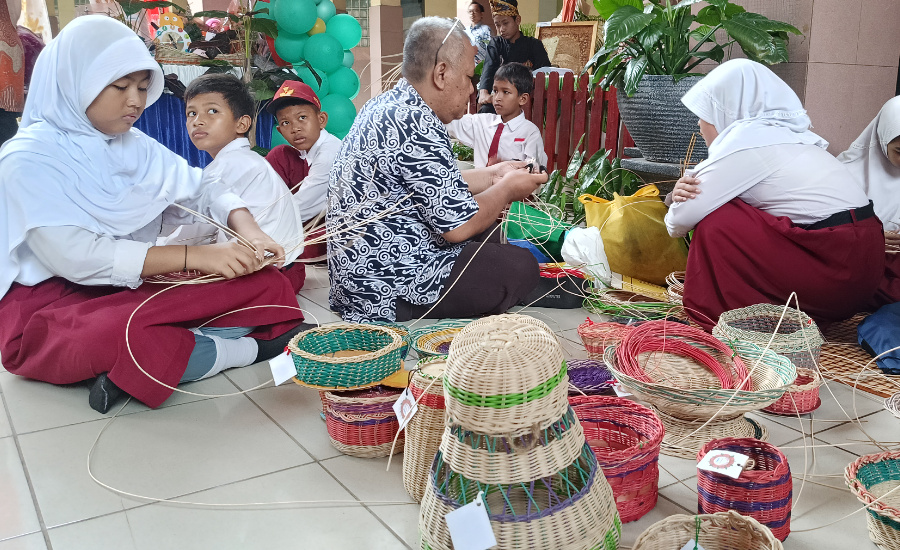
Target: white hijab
867 160
750 107
59 170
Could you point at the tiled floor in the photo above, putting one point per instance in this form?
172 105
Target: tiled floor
260 450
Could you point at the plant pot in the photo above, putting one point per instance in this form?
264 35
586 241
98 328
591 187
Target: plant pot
659 123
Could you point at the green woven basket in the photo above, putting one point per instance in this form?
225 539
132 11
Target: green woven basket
345 356
403 330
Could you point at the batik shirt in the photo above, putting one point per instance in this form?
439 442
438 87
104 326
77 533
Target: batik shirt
481 36
395 162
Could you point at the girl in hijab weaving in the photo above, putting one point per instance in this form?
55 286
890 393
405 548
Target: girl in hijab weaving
82 195
772 209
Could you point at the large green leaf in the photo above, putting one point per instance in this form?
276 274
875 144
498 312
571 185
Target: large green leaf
591 170
767 24
265 26
709 15
649 37
634 72
607 7
626 22
686 3
575 163
751 34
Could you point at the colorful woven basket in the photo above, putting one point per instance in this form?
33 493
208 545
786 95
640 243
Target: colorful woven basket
425 428
435 339
362 423
870 478
762 491
802 396
598 336
684 438
798 337
721 531
345 356
625 438
589 377
403 331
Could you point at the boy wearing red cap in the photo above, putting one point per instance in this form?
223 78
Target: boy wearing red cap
304 165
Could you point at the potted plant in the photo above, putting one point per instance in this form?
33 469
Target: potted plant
651 50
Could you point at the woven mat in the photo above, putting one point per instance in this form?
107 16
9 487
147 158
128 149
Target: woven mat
844 361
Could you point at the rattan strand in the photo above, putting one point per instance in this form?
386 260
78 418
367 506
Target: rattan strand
675 287
722 531
871 477
424 430
802 396
681 441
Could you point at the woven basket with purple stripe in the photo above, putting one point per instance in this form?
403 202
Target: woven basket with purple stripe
589 377
362 423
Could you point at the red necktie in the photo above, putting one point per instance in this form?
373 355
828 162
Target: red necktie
492 152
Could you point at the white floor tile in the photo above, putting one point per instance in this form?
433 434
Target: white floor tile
35 405
677 468
34 541
367 479
316 277
5 429
316 313
112 532
402 519
318 296
663 509
882 426
16 506
840 403
779 434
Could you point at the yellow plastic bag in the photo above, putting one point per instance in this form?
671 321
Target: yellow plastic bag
634 235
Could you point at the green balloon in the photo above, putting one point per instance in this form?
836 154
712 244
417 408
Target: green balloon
270 5
344 82
307 77
348 58
324 52
341 113
290 46
318 1
325 10
346 29
277 138
295 16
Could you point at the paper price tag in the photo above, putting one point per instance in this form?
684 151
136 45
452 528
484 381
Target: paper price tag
405 407
692 545
724 462
620 390
282 368
470 526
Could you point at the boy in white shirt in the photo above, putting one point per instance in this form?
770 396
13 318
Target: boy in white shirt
219 113
507 135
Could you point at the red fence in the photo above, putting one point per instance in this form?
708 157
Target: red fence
566 112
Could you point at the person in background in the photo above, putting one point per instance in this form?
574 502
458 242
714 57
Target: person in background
12 71
509 46
478 31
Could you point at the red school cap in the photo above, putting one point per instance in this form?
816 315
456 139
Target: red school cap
293 90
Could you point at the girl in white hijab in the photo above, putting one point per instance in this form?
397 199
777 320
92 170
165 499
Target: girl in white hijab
82 195
773 213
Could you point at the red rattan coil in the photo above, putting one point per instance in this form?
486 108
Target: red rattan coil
802 397
362 423
597 336
625 438
763 490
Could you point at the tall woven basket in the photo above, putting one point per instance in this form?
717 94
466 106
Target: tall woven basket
762 491
425 428
362 423
798 338
870 478
625 438
802 397
511 435
721 531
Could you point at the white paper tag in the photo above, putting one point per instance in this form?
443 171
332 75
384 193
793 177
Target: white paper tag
470 526
282 368
405 407
724 462
692 545
620 390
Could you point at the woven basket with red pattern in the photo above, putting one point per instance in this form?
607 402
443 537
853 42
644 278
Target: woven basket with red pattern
362 423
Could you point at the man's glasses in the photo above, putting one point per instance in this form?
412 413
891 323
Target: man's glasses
455 21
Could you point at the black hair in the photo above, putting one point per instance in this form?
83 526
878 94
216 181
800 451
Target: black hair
518 75
480 7
235 92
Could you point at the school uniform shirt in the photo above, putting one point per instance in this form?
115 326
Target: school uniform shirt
500 51
481 37
396 164
310 194
519 140
246 174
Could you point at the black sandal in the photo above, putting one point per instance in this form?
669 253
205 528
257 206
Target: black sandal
104 394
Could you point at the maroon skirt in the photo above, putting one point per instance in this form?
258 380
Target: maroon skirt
741 256
63 333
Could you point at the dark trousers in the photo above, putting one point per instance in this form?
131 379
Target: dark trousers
8 125
489 279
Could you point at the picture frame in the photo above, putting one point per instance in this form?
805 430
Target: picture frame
569 45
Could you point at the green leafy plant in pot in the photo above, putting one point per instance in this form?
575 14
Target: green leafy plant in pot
650 53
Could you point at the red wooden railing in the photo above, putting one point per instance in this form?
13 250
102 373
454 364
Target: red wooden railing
566 112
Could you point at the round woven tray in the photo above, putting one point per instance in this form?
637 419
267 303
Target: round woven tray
722 531
424 430
625 438
798 337
802 396
588 377
346 356
436 339
362 423
597 336
763 490
871 477
681 441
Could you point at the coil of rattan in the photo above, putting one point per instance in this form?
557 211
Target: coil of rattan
362 423
598 336
628 304
589 377
684 438
721 531
871 477
798 337
626 439
344 356
425 428
762 491
802 396
675 287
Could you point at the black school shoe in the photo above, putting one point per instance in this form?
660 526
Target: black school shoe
104 394
272 348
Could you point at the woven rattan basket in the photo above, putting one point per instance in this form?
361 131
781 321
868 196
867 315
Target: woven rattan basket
425 428
802 396
588 377
625 438
435 339
684 438
798 337
598 336
362 423
345 356
722 531
171 56
871 477
762 491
